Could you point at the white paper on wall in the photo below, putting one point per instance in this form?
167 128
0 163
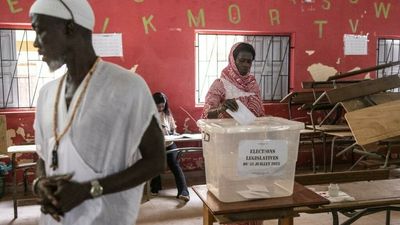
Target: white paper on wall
355 44
108 45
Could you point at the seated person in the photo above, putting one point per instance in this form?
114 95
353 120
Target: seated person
169 128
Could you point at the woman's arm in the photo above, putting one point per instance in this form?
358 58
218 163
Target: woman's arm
213 100
172 123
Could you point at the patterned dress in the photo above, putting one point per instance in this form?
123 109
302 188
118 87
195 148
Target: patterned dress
232 85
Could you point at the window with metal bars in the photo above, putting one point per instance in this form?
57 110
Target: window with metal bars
22 72
388 51
270 66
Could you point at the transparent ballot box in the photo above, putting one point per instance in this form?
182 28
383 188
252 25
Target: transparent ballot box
245 162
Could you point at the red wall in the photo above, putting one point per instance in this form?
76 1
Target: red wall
165 54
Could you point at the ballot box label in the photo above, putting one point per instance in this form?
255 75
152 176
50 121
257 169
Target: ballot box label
262 157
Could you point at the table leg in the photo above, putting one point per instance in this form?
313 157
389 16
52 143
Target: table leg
335 217
208 217
313 153
324 149
286 221
388 217
14 174
332 150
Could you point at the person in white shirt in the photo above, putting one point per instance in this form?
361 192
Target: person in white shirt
96 127
169 128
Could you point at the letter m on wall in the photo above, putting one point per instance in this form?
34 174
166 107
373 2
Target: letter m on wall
200 19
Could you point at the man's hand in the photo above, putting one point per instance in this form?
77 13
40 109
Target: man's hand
70 194
45 189
48 208
48 185
230 104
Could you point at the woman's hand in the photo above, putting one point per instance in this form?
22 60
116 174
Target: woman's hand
227 104
230 104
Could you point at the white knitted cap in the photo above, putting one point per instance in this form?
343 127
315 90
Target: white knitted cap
82 12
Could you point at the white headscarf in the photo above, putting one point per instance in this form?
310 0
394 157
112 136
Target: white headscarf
81 10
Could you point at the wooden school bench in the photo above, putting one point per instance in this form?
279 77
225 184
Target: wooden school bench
265 209
364 185
369 197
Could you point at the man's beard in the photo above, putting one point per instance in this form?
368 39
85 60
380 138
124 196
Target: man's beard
55 64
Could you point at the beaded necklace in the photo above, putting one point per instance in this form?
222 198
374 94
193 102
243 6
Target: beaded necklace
54 154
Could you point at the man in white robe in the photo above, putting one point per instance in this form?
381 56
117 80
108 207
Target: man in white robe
96 127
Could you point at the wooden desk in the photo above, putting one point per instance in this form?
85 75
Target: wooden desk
273 208
183 137
371 196
14 150
21 149
302 98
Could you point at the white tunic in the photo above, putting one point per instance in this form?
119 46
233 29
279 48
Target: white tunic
104 138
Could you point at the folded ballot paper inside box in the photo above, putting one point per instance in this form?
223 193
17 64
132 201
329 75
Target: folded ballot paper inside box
254 161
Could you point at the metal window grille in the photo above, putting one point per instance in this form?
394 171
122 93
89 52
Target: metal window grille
388 51
270 66
22 73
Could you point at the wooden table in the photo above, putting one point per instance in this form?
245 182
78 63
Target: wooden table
370 196
14 150
197 137
265 209
183 137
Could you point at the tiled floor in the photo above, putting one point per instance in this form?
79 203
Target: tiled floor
165 209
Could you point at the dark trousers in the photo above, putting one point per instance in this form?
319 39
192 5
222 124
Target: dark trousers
173 165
